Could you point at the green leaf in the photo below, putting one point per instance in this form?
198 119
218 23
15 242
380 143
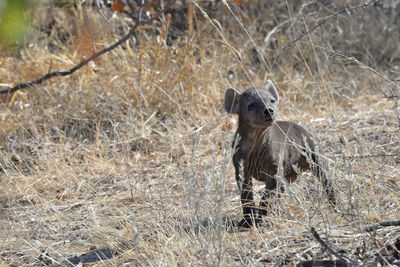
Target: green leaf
12 21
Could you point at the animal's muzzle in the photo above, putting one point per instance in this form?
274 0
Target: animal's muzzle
269 112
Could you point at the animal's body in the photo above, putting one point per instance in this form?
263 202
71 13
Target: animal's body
269 150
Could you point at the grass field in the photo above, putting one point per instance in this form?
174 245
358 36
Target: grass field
133 155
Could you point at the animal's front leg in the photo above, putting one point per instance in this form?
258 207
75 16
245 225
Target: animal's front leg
248 205
265 203
270 191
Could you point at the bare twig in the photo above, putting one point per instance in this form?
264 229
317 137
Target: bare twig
391 96
323 263
324 244
379 225
323 22
140 19
327 247
368 156
59 73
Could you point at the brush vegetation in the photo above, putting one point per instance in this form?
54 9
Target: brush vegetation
133 152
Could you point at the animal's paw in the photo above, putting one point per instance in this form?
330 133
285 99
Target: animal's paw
249 221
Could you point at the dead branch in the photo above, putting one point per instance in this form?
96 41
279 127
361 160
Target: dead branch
368 156
140 19
379 225
324 244
59 73
327 247
324 263
391 96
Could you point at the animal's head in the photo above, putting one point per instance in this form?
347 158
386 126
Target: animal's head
257 106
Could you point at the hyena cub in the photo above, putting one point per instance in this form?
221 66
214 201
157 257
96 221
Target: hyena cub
269 150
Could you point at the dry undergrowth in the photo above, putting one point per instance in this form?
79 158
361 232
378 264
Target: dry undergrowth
135 156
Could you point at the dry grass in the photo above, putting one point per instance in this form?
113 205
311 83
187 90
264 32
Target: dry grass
136 156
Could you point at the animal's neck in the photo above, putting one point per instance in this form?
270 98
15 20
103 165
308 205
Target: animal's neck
249 132
251 136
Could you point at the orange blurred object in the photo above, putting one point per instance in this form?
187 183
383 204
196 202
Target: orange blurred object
117 5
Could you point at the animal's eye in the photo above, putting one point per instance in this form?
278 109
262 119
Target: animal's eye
251 106
273 101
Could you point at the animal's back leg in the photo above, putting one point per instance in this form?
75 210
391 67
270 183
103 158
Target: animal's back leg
319 170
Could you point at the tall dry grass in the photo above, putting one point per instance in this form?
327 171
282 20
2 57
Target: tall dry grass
134 155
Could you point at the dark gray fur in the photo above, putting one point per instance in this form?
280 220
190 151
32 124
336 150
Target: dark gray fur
269 150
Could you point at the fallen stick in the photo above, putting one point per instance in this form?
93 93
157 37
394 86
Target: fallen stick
331 250
59 73
379 225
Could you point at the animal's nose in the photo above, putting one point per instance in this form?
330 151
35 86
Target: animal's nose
269 111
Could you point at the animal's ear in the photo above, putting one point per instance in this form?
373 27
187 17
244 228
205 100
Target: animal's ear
270 87
231 101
